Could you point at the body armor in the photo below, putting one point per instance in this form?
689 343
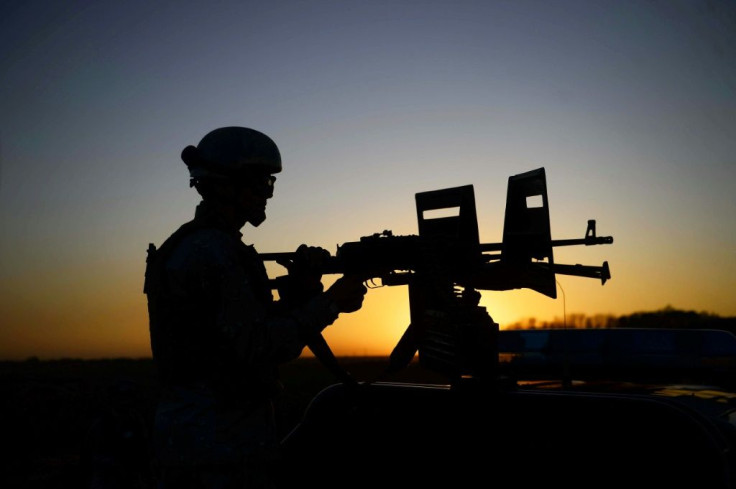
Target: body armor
217 337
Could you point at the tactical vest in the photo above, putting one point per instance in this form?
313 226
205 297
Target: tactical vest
184 341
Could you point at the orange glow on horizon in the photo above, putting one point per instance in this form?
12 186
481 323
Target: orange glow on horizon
92 315
66 311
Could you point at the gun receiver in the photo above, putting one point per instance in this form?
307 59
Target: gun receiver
445 264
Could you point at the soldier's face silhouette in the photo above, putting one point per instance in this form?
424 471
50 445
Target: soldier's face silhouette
252 195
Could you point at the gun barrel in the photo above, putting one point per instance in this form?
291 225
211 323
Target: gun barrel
602 272
587 241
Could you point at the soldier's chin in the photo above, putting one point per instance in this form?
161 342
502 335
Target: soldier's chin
256 218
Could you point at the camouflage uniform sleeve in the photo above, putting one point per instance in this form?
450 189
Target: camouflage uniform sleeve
235 290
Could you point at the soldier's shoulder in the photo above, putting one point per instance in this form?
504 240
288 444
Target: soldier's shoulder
202 246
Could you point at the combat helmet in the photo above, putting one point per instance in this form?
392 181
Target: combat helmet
231 152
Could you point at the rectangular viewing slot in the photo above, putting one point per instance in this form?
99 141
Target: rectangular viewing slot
440 213
534 201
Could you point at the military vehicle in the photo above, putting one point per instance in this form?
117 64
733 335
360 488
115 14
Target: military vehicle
634 408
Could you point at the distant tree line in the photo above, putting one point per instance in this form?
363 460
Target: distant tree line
668 317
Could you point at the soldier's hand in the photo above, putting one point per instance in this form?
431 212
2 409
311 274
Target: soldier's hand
305 267
347 293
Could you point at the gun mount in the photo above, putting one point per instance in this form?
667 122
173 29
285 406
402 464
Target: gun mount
445 265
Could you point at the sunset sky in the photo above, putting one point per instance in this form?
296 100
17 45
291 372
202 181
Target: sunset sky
630 106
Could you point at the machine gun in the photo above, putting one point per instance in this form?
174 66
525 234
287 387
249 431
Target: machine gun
445 265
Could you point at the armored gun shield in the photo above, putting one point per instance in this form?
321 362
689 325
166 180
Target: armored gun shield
452 333
526 231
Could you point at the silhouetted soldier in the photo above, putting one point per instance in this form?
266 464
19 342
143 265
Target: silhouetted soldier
217 335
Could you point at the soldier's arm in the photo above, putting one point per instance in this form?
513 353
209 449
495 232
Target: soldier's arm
259 330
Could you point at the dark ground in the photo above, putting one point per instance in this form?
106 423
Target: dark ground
58 416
